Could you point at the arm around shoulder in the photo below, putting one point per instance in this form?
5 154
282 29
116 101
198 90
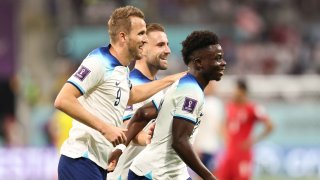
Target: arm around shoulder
140 93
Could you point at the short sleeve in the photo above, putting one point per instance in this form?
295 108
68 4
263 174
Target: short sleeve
156 100
260 112
130 110
188 105
89 74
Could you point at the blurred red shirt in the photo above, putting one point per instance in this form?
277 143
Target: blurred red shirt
240 119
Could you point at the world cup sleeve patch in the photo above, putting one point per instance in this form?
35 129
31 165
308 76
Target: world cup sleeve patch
82 73
189 105
129 108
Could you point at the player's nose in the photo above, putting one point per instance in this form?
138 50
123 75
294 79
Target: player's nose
167 50
144 39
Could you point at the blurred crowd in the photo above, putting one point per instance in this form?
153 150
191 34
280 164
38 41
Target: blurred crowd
261 37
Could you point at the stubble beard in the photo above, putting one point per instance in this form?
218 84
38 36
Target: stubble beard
163 67
134 53
158 65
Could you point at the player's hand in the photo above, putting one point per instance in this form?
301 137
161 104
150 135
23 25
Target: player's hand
114 134
175 77
150 132
113 160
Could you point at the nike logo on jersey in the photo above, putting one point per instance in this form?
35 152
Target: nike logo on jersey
117 83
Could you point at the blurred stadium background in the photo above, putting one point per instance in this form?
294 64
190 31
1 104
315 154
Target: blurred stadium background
275 44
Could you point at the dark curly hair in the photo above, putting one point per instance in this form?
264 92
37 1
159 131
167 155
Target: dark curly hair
195 41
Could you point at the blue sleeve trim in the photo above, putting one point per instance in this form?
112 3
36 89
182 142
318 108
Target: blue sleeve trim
77 86
185 118
155 104
128 117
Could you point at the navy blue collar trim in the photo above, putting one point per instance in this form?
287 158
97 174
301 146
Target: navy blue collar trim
192 76
116 61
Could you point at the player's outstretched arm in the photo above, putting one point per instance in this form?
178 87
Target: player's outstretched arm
140 93
67 102
181 132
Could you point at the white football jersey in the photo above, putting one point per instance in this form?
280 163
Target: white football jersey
125 160
105 87
183 100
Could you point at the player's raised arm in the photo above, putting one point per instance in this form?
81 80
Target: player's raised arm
181 132
142 92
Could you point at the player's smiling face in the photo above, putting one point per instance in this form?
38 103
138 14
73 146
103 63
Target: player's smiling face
157 50
137 37
213 62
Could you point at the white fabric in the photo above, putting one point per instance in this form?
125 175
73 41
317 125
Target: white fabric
159 159
106 89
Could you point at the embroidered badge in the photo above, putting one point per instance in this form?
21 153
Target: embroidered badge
82 73
189 105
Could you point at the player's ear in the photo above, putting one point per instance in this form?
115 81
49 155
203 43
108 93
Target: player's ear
197 63
122 36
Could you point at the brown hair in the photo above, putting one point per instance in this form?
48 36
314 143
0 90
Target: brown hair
154 27
120 21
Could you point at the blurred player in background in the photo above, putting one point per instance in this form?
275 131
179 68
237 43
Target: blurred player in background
208 140
97 94
58 128
178 115
156 52
241 117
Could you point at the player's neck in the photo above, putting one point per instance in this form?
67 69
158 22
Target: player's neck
203 82
242 100
149 72
119 53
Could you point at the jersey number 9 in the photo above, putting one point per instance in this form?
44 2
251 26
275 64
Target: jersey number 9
116 103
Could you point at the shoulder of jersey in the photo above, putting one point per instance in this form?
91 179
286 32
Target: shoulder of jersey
188 81
137 78
103 54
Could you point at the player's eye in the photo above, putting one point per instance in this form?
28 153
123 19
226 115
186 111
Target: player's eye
141 33
219 58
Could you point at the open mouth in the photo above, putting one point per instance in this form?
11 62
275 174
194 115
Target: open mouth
164 59
141 46
222 71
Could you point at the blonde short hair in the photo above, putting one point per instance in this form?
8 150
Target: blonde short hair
120 20
154 27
